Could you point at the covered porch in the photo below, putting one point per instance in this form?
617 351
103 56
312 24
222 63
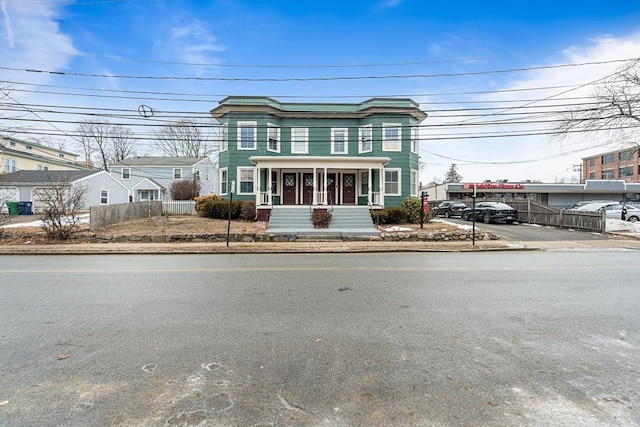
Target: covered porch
319 181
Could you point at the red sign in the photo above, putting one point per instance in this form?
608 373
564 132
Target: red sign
425 204
492 186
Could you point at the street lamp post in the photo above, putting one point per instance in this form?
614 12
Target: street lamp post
233 189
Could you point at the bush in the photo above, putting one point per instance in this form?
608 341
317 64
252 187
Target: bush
321 218
413 207
202 200
187 189
395 215
248 211
379 216
219 209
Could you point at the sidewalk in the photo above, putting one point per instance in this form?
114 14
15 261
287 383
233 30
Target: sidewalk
312 247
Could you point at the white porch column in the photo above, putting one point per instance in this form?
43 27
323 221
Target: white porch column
370 187
381 187
325 190
314 194
256 189
270 186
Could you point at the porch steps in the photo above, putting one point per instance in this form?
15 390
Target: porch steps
345 221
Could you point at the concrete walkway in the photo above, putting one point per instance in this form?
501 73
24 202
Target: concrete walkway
621 243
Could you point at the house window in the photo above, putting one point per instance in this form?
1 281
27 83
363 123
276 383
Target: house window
625 156
608 158
126 173
415 139
592 161
607 174
224 180
414 182
28 147
9 165
177 173
392 182
365 144
273 138
299 140
246 180
592 175
274 182
12 144
391 137
104 197
61 155
364 183
43 168
224 137
247 135
339 140
625 171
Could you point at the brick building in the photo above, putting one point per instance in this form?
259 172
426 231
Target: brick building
621 165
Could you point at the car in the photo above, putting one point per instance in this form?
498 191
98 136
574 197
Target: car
588 202
449 209
491 212
613 210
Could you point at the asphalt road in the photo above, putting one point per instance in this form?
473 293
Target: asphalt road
427 339
518 232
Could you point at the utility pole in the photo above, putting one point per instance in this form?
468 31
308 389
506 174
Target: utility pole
578 168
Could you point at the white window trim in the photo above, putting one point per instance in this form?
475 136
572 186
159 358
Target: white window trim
416 183
385 142
224 137
174 173
239 182
334 131
369 128
107 197
306 140
122 173
254 125
415 139
221 181
399 171
277 129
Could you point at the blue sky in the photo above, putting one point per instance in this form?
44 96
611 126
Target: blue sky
203 45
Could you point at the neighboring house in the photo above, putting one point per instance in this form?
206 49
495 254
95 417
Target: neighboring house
25 186
18 155
622 164
150 178
318 154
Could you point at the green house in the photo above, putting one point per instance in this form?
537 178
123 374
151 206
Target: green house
318 154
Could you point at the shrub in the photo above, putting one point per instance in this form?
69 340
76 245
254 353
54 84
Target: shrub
321 218
248 211
202 200
219 209
395 215
413 207
187 189
379 216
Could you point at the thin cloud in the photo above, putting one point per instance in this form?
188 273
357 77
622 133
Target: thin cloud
190 42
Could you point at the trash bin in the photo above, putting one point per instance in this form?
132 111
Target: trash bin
13 208
25 208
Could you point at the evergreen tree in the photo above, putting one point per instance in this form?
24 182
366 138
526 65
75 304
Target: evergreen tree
452 174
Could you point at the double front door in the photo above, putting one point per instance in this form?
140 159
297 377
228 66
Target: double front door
295 192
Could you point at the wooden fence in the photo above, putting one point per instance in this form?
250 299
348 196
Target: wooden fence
179 207
100 216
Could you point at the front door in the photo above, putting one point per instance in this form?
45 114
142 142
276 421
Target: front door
307 188
289 189
349 189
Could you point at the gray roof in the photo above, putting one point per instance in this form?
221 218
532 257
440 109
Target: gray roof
43 176
159 161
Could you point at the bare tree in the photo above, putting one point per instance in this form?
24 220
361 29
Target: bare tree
106 142
186 138
122 143
615 111
62 204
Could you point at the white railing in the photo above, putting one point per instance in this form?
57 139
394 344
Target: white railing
179 207
375 198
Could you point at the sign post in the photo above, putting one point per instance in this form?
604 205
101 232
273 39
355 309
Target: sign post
233 189
473 213
425 207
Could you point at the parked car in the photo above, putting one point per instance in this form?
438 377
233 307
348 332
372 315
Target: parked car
449 209
588 202
491 212
613 210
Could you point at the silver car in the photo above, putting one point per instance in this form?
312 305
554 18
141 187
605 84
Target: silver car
613 210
